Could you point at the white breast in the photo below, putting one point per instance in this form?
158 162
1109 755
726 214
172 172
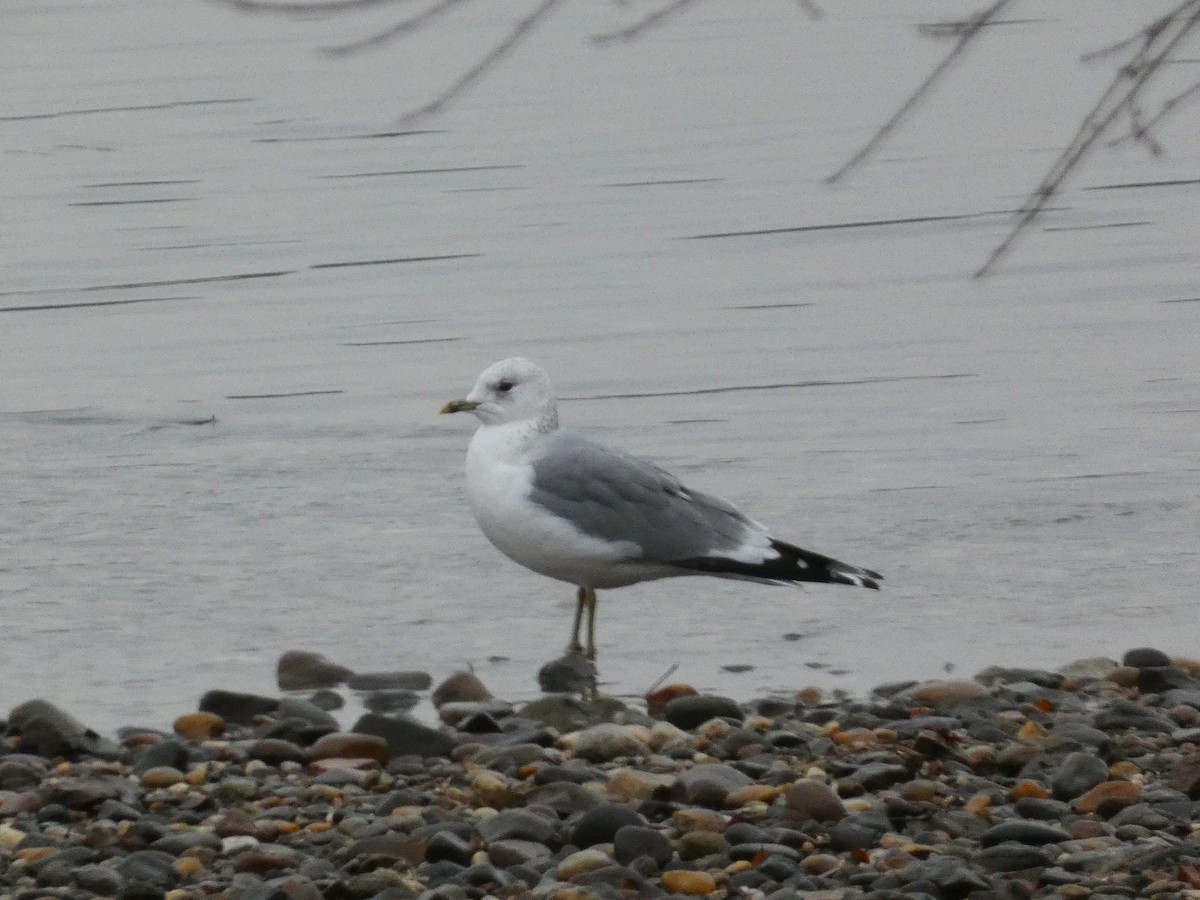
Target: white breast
499 476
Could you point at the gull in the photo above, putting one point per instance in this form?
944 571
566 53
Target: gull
574 509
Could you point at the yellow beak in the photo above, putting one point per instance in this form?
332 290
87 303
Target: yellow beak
459 406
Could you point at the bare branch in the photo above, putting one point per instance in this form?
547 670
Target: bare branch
401 28
658 16
1141 130
522 29
1129 81
971 29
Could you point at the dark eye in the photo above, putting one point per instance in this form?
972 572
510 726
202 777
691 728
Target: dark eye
504 386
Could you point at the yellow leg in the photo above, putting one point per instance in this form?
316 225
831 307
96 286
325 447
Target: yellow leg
589 597
573 646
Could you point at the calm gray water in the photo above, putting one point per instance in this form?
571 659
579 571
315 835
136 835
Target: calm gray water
204 220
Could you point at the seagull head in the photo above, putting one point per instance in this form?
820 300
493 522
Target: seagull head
512 390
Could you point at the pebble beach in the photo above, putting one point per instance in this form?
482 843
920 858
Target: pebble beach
1018 783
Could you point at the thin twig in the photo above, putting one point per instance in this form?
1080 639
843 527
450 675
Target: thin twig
907 106
522 29
412 23
661 678
1141 130
1128 82
655 18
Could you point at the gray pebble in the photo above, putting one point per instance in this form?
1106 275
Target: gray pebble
633 841
406 736
691 712
1077 773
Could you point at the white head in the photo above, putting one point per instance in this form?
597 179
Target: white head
512 390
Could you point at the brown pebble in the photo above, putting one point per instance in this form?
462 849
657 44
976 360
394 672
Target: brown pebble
820 863
299 669
1109 794
461 687
161 777
1189 665
919 790
947 693
695 819
1082 829
697 844
751 793
199 726
1031 731
657 700
350 745
682 881
1028 788
1125 676
807 799
1185 776
633 784
189 867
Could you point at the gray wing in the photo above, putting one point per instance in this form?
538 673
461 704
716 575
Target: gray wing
616 496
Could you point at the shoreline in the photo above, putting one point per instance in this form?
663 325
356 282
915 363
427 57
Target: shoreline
1077 783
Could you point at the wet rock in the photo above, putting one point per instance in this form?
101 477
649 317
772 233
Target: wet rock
303 669
633 841
627 783
582 861
1107 798
1092 668
1010 857
518 824
453 713
395 700
350 745
461 687
327 700
239 708
448 845
379 681
942 694
274 751
99 879
811 800
1160 679
608 741
1185 776
295 708
709 784
1145 658
600 825
84 792
857 832
657 700
199 726
690 712
1023 832
406 737
570 674
1123 714
45 730
699 844
148 868
510 852
1078 772
566 713
688 883
164 753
